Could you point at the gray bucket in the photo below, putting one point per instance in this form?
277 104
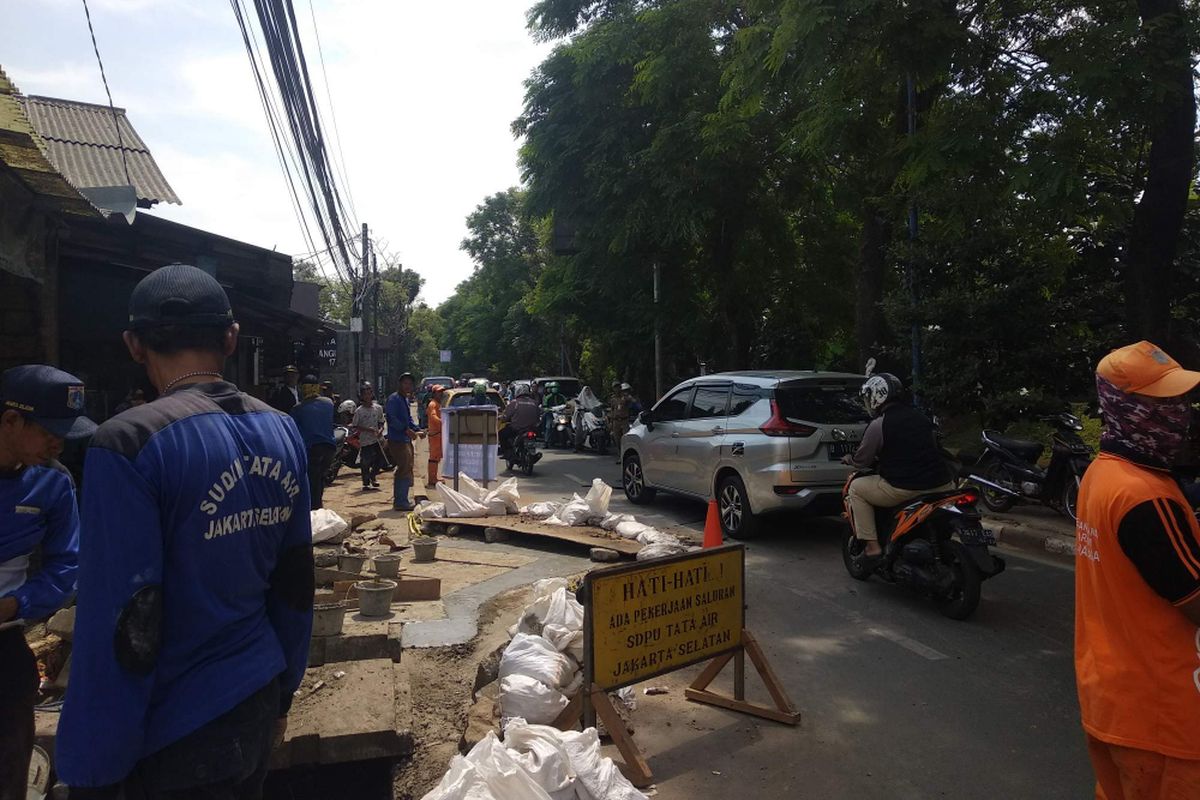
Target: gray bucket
424 550
328 618
387 565
375 597
351 562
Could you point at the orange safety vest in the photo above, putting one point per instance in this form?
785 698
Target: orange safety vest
1137 657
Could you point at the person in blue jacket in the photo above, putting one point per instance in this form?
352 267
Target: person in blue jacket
40 407
400 429
195 569
314 418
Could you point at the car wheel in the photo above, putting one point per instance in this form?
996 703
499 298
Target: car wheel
737 520
633 480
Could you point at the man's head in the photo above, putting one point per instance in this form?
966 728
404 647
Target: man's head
437 392
366 392
407 381
327 388
180 314
1143 396
479 390
310 387
291 375
40 407
626 389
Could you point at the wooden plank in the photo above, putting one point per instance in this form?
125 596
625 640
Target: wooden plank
711 671
583 535
702 696
774 685
639 771
569 717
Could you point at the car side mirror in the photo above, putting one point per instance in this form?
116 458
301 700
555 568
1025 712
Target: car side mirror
647 419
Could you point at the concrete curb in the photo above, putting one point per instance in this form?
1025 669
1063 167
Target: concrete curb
1041 539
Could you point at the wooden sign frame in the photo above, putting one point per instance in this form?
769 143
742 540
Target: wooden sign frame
593 700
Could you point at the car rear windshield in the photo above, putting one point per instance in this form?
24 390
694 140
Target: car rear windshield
823 402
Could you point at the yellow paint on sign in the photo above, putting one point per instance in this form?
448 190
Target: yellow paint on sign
654 619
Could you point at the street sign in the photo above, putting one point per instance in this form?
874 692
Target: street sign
659 615
445 356
327 351
356 324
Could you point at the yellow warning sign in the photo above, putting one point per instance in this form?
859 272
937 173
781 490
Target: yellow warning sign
655 617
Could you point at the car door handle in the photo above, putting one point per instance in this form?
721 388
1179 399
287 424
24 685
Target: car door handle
718 429
675 435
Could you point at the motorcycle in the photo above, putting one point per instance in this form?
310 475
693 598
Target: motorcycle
1008 472
345 453
592 430
559 432
523 452
935 544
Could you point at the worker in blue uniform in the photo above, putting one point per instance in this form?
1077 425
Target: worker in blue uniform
40 407
195 569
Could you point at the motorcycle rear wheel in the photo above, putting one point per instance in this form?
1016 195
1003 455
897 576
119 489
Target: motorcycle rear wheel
1070 496
963 598
852 548
994 500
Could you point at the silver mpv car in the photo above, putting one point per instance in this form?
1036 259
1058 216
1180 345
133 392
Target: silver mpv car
757 442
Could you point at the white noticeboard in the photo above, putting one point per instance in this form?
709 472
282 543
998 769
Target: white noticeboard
445 356
471 457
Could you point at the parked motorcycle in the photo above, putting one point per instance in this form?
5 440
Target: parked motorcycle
559 431
345 453
1008 471
591 430
523 452
936 544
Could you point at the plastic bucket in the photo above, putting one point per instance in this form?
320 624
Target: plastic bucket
375 597
387 565
328 618
351 562
424 550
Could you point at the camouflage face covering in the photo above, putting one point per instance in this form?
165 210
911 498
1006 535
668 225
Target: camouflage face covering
1150 429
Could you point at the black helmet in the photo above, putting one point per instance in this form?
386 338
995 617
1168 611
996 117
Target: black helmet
879 390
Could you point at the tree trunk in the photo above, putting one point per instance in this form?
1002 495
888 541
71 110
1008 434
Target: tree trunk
1158 217
869 324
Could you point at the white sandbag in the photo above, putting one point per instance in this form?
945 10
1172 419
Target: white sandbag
660 550
540 750
559 607
597 498
535 657
430 510
468 486
489 772
565 640
542 510
326 525
653 536
506 493
630 530
610 522
529 699
544 587
460 505
573 513
599 775
495 507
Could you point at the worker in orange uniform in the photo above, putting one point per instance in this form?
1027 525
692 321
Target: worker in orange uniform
1137 585
433 423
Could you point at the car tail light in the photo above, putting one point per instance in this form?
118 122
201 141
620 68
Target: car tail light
787 491
530 435
778 425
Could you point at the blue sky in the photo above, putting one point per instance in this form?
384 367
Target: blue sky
424 94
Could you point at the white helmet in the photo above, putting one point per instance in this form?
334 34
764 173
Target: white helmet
347 407
879 390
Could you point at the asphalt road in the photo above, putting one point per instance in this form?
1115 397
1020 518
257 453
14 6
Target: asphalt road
897 701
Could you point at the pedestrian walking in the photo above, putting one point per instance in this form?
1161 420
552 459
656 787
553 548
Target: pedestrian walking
400 429
40 407
1137 585
433 417
195 569
368 423
314 418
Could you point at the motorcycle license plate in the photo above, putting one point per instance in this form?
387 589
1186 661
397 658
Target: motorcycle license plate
978 535
839 449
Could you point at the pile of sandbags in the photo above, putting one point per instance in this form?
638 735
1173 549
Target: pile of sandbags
535 762
472 500
542 667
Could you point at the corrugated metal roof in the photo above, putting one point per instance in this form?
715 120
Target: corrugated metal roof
81 141
23 151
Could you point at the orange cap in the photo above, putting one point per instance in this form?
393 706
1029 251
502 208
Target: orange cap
1143 368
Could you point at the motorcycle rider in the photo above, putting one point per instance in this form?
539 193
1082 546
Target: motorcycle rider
551 399
522 416
900 445
479 395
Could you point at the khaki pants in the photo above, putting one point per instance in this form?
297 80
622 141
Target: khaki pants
872 491
402 454
1125 773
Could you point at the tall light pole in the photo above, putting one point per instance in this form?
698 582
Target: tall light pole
658 371
913 291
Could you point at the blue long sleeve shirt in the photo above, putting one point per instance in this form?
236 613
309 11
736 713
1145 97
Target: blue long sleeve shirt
314 418
400 423
195 575
37 508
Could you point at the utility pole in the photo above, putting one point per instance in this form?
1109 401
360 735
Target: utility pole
913 291
658 372
356 314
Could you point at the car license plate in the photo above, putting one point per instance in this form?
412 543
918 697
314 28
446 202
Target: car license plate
976 536
839 449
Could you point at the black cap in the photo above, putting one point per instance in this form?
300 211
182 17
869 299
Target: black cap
50 397
310 378
178 294
291 368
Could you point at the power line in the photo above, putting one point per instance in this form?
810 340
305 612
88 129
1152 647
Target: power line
104 79
340 162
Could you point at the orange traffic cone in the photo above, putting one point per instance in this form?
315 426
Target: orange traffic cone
712 526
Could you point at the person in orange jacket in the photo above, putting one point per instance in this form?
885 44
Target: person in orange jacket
433 422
